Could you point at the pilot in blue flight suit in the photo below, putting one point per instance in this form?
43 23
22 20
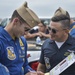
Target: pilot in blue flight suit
13 45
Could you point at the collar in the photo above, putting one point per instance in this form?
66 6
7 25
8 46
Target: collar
5 34
68 41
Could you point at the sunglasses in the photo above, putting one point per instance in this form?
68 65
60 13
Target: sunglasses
54 31
27 29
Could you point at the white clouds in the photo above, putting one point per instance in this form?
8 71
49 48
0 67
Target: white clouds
41 7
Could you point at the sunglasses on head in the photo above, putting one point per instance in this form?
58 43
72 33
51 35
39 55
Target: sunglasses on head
54 31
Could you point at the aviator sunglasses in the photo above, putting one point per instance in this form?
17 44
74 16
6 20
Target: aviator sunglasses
54 31
27 29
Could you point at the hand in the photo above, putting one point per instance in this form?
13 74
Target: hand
32 73
43 34
38 34
35 73
40 73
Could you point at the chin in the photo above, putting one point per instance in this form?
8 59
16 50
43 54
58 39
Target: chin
52 38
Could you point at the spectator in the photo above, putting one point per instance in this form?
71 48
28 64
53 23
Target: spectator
13 46
55 49
41 31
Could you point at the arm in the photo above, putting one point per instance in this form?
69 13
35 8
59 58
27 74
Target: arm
27 69
32 34
3 69
26 65
41 67
29 35
45 35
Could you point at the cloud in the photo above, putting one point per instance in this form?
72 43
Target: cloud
41 7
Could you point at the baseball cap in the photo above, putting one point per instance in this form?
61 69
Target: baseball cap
61 11
28 15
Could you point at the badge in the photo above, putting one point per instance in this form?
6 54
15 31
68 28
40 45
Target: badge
47 62
11 53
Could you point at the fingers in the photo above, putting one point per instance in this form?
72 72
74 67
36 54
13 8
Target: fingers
40 73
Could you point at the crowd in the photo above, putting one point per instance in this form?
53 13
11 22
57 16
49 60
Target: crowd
59 43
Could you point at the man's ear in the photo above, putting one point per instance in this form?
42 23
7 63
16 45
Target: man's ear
15 21
67 30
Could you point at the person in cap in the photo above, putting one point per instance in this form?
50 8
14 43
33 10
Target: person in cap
41 31
60 11
58 46
13 45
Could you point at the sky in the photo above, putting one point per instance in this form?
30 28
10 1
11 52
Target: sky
43 8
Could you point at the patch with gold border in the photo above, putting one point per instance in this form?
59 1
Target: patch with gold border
10 53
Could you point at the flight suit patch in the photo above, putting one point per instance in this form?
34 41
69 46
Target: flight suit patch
10 53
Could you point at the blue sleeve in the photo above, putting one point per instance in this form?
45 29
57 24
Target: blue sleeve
26 66
3 69
72 33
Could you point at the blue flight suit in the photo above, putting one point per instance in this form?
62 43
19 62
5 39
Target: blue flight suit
51 55
3 70
13 53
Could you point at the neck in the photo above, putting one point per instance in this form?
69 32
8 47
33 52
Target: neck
9 29
64 38
72 21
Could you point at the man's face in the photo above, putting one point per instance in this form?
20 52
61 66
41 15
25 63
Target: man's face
21 28
41 27
56 31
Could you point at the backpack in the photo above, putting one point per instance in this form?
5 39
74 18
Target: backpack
3 70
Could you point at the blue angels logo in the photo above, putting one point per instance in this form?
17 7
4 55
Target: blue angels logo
11 53
47 63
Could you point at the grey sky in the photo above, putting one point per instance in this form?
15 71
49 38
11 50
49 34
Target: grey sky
44 8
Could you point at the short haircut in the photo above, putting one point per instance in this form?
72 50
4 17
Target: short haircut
44 23
63 19
15 14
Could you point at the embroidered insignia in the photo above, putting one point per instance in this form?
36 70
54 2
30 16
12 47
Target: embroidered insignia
47 62
22 50
21 43
11 53
66 53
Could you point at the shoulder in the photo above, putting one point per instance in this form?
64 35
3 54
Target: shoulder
47 43
23 40
71 40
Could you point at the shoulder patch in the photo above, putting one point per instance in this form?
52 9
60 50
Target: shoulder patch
10 53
